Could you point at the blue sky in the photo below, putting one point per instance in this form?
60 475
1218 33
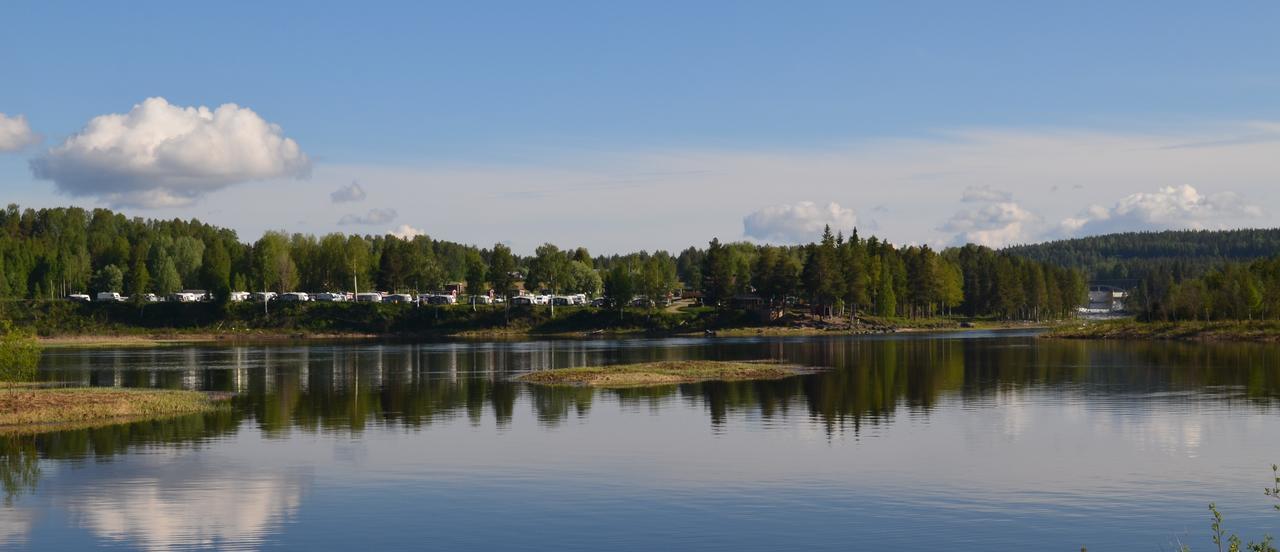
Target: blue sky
414 100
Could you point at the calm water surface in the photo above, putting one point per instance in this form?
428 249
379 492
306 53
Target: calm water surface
996 441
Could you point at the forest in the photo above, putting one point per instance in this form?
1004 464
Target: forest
1230 291
50 253
1129 257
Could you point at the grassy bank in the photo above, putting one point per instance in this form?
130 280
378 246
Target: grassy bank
661 373
26 408
70 322
63 323
1238 330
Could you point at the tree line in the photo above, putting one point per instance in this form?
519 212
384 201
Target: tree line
50 253
842 276
1132 256
1231 291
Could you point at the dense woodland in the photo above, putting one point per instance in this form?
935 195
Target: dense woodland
1231 291
1179 274
50 253
1133 256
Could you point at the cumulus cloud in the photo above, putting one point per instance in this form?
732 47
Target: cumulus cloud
798 222
374 216
1169 207
15 133
994 225
985 192
350 193
406 232
163 155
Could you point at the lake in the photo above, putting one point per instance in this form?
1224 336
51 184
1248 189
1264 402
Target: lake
975 441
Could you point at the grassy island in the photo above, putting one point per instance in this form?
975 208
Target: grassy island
662 373
31 408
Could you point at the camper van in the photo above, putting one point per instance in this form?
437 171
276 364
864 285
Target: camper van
522 300
109 297
295 297
78 298
183 297
369 297
397 298
262 296
437 299
330 297
238 296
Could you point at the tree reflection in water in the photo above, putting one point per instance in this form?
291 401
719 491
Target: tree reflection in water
870 381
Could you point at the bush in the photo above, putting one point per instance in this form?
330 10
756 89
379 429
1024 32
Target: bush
19 353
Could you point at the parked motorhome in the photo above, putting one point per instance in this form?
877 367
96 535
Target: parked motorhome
328 297
78 298
397 298
150 298
561 301
439 299
109 297
199 294
522 300
369 297
261 296
295 297
480 300
183 297
238 296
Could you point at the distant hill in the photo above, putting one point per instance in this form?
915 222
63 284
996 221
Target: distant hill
1133 255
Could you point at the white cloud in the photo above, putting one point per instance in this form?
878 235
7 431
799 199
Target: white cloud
985 192
797 223
993 225
374 216
15 133
1169 207
349 193
406 232
15 525
162 155
237 512
684 197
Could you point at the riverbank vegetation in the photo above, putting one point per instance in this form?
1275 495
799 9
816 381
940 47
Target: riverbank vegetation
661 373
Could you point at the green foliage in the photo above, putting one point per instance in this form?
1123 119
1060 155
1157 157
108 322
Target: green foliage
108 278
48 253
1178 254
1232 542
19 353
502 265
619 287
548 269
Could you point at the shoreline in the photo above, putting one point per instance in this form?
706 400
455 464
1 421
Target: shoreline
1255 331
163 338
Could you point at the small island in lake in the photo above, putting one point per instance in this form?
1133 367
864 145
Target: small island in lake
663 373
31 408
